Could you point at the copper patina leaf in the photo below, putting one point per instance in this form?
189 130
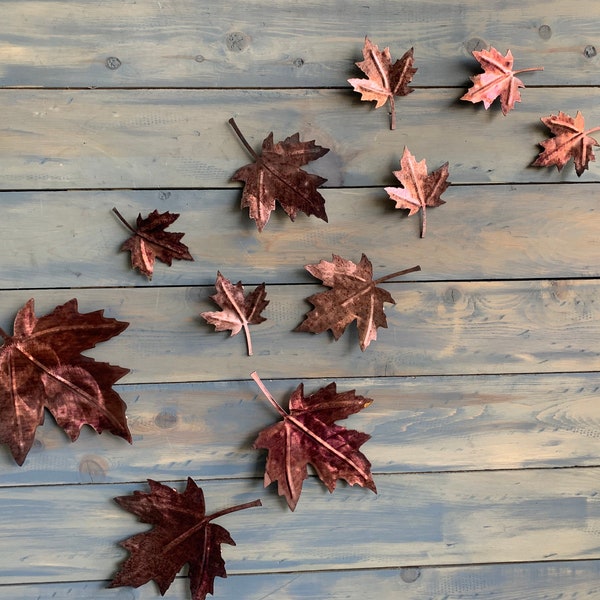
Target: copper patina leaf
308 435
354 295
275 175
237 311
182 533
150 241
385 80
41 366
571 140
497 81
420 189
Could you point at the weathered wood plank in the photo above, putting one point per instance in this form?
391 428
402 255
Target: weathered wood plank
434 329
419 424
60 139
281 44
72 239
414 521
534 581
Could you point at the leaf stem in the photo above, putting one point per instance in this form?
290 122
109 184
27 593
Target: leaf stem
231 509
528 69
392 113
243 139
122 219
265 391
397 274
202 523
592 130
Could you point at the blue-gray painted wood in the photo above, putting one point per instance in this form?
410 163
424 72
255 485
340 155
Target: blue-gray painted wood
64 139
414 520
417 424
73 239
535 581
285 44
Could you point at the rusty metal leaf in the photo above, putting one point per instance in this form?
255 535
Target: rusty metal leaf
385 80
420 189
354 295
497 81
182 533
150 241
276 176
308 435
571 140
237 311
41 366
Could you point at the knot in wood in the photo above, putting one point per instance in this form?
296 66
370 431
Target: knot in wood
237 41
112 63
589 51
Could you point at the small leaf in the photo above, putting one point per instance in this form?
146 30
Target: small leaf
276 176
354 295
385 81
150 241
497 81
41 367
420 189
308 434
238 311
182 533
570 140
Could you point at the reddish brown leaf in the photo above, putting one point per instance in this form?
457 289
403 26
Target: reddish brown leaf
182 533
238 311
420 189
276 176
497 80
150 241
353 295
308 434
570 140
385 80
41 365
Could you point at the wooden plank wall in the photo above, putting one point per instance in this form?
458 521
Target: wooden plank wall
485 422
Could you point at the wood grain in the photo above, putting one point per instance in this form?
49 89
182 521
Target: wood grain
434 329
413 521
278 44
72 239
65 139
534 581
422 424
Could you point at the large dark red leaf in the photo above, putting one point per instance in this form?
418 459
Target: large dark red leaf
41 366
308 434
182 533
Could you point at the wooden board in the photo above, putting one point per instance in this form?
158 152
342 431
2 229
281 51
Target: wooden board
65 139
278 44
73 239
417 424
414 520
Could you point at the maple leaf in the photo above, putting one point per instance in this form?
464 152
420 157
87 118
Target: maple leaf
276 176
353 295
182 533
497 80
150 241
308 434
571 141
41 366
420 189
385 80
238 311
